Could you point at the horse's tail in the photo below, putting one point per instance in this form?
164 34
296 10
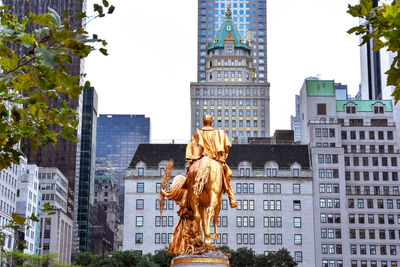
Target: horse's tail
202 176
169 168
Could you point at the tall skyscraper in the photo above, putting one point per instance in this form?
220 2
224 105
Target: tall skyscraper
230 92
118 136
65 153
87 168
374 64
250 16
373 84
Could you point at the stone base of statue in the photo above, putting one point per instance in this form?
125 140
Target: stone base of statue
210 258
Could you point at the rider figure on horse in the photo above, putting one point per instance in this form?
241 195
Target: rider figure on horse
214 144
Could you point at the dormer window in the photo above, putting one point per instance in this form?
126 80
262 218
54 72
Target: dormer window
141 172
229 47
351 110
378 110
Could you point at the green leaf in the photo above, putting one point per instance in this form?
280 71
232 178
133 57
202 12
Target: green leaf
104 43
27 40
377 44
366 7
8 59
18 219
43 19
103 51
55 18
98 8
46 206
51 213
46 55
4 7
4 114
24 21
105 3
68 133
87 85
111 9
80 15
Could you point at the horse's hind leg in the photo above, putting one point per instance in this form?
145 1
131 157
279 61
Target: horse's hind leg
216 217
213 203
196 212
203 214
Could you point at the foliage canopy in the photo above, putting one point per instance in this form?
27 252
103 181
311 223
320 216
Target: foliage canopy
36 88
381 24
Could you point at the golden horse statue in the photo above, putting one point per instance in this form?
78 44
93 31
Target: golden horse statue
205 187
199 194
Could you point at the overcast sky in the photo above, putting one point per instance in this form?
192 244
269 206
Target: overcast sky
153 49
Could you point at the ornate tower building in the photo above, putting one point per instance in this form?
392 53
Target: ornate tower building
231 94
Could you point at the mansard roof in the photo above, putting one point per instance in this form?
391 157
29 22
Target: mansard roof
257 154
363 105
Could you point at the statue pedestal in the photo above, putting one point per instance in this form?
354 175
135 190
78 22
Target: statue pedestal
211 258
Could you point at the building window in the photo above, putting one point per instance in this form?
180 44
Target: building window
140 171
266 206
266 239
139 204
321 109
157 238
297 239
157 222
296 172
238 238
139 238
298 256
139 221
163 238
140 188
296 188
170 221
296 205
297 222
224 204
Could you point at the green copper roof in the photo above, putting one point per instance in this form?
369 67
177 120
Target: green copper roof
320 88
228 27
363 105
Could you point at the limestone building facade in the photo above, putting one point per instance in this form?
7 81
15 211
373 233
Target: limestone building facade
355 158
28 203
274 192
8 184
56 229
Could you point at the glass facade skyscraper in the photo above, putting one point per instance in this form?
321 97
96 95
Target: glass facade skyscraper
87 168
250 16
118 137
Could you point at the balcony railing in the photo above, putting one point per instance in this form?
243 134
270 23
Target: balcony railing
369 151
356 124
372 193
